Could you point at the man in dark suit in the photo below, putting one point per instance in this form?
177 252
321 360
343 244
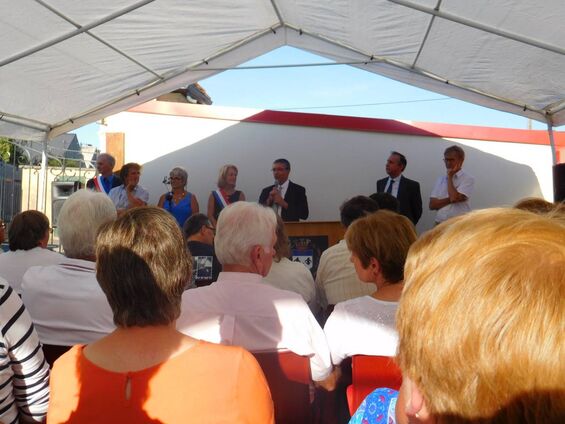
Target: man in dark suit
406 191
286 198
106 180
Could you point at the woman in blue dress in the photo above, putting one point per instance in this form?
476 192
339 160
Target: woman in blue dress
179 202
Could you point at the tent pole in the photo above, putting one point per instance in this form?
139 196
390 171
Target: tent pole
551 141
42 195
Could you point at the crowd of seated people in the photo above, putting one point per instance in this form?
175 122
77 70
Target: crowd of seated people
240 309
145 370
480 294
365 325
481 324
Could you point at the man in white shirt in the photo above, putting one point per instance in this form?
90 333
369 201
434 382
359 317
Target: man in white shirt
29 235
65 301
239 309
451 193
336 278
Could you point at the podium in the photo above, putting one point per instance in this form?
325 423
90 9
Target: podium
309 239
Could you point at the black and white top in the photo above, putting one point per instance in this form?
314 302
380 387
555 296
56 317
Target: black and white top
24 372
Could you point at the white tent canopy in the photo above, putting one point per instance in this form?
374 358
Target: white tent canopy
66 63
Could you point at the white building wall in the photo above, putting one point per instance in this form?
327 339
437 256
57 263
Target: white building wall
333 165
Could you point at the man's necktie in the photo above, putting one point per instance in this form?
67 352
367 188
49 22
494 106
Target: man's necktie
389 189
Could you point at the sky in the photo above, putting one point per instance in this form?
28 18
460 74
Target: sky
335 90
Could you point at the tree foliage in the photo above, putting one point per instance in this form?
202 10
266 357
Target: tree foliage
11 153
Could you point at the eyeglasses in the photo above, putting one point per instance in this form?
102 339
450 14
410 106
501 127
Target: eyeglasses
176 178
211 228
279 169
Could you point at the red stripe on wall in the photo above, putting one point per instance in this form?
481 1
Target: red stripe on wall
351 123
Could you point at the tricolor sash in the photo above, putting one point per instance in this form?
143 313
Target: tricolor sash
98 185
220 199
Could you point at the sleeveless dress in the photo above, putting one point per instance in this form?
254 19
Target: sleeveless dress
234 197
182 210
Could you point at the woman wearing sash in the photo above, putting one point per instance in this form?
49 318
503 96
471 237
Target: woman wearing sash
179 202
225 194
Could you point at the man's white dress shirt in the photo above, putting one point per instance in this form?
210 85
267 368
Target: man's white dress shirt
66 303
239 309
464 184
336 277
14 264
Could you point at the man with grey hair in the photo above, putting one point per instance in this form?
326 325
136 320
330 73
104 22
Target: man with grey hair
106 180
66 304
451 193
239 309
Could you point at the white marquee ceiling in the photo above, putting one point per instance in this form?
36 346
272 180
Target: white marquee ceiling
65 63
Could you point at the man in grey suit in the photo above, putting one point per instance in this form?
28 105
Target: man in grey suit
406 191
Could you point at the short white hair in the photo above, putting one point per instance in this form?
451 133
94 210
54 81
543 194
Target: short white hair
80 217
111 160
240 227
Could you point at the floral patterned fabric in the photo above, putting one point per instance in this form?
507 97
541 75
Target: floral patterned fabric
377 408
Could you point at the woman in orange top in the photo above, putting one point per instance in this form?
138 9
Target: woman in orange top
146 371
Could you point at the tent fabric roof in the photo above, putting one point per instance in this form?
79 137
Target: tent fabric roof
65 63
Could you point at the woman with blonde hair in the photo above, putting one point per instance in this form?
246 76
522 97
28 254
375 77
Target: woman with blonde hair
146 371
178 202
481 321
226 193
365 325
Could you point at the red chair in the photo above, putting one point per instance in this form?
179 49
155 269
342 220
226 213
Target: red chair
369 373
52 352
288 376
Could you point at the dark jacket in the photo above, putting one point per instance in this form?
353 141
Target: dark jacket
408 196
295 197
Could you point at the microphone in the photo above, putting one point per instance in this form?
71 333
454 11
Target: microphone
166 180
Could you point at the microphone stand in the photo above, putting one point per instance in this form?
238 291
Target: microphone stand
169 195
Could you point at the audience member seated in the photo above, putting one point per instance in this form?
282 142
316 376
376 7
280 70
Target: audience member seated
386 201
239 309
146 371
226 193
65 301
538 205
199 234
379 244
288 275
28 238
24 373
130 194
481 321
336 277
179 202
